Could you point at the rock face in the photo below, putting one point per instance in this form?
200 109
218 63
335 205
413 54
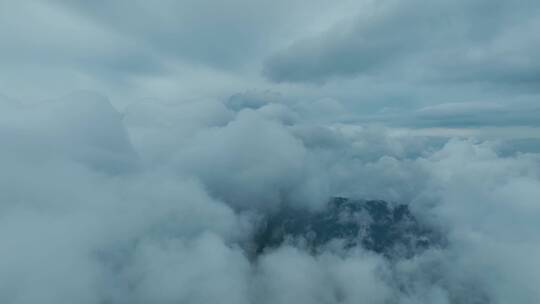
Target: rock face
378 226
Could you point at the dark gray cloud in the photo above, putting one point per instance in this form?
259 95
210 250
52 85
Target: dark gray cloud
492 41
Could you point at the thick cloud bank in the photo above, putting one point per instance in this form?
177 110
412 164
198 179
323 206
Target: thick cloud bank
159 203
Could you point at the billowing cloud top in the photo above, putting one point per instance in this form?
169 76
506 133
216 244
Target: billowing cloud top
269 152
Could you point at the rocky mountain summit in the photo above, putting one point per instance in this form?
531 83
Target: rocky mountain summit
375 225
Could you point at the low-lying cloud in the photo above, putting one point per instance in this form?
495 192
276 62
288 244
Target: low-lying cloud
159 204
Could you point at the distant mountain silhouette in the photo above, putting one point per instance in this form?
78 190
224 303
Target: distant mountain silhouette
375 225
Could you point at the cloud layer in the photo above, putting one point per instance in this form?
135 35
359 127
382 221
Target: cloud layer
99 206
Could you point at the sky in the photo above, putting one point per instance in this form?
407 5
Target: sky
142 144
445 64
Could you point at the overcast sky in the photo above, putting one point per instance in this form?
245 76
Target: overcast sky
444 64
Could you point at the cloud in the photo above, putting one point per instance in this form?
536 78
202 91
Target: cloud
477 114
252 100
221 35
175 222
482 41
153 190
288 274
165 272
481 195
367 56
81 127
